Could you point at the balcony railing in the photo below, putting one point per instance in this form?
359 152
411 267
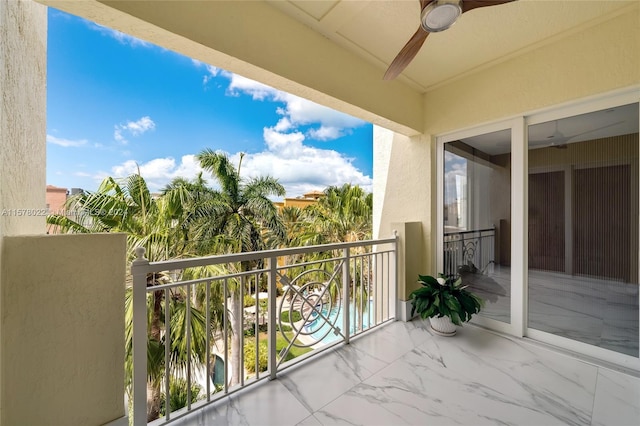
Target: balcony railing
191 317
466 250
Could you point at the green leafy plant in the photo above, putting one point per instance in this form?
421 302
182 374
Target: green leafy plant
178 395
444 296
250 356
248 301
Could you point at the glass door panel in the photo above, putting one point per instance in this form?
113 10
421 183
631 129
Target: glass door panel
583 228
477 218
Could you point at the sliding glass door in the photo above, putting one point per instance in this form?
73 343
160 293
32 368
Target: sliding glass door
539 215
583 228
477 213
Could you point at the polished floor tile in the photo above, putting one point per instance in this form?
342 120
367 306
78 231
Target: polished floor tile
617 400
599 312
402 374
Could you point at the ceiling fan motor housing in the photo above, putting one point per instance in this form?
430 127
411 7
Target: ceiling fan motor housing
440 15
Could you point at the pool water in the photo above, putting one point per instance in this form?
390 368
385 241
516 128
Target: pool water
317 328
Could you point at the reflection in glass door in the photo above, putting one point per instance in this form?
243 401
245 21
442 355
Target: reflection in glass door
477 218
583 228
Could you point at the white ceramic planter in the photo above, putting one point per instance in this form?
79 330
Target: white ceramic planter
442 326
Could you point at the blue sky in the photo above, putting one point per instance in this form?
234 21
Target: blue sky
116 103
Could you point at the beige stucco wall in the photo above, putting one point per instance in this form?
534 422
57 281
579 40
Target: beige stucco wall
403 192
410 250
23 67
63 329
23 51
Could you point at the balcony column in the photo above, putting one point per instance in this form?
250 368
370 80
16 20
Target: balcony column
410 264
23 67
23 109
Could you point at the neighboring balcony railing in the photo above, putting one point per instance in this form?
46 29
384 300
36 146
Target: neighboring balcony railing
466 250
196 318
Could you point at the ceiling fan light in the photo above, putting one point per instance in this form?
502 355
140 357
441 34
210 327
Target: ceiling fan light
440 15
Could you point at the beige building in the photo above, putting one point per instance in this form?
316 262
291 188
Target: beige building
507 82
307 199
55 198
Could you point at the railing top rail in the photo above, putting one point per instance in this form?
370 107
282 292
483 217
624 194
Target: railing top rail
446 234
248 256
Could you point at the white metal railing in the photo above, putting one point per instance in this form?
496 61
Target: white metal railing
469 251
302 306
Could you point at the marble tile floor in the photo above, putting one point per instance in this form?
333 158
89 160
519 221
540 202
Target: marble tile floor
402 374
598 312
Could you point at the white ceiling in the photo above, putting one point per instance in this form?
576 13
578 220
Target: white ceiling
376 30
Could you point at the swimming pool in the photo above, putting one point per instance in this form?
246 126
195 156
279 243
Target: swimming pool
320 330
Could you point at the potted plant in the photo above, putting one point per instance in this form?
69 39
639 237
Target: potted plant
445 301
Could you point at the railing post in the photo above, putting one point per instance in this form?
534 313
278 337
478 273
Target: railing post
139 274
346 281
393 287
271 317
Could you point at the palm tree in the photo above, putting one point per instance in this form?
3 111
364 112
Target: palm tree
159 224
343 214
241 218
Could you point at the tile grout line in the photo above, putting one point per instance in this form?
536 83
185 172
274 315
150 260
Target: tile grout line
595 394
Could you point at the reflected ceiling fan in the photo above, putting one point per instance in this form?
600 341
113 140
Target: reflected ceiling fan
435 16
559 140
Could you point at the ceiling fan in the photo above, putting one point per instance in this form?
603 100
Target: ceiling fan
435 16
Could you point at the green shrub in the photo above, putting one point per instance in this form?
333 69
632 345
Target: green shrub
250 356
251 330
178 395
249 301
295 316
285 328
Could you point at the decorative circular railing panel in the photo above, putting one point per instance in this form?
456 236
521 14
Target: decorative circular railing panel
316 295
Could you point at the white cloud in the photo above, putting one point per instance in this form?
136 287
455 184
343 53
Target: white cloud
283 124
326 123
298 167
211 72
120 37
135 128
302 111
66 142
301 168
258 91
325 133
140 126
157 172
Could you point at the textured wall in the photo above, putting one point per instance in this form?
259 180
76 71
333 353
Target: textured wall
23 67
23 53
403 192
63 329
